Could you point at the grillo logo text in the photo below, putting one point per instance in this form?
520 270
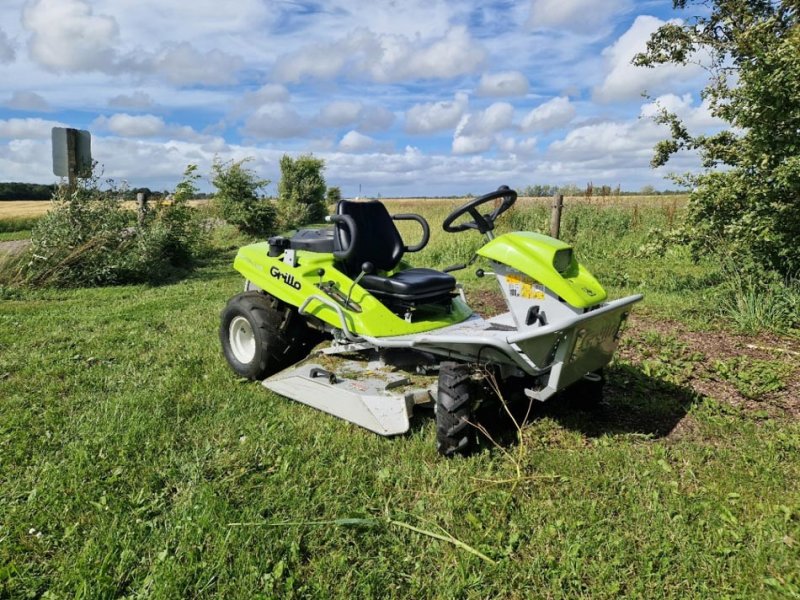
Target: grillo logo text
287 278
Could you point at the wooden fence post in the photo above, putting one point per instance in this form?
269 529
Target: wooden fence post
555 215
141 201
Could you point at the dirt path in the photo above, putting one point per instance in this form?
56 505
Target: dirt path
14 247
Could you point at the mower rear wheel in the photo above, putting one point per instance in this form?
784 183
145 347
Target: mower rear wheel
260 335
454 432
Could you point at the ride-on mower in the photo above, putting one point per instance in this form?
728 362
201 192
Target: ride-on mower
400 336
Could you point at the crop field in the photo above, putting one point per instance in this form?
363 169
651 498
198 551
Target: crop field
134 464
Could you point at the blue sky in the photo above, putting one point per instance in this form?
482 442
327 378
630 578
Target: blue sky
413 97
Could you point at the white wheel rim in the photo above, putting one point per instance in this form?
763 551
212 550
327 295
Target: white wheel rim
242 340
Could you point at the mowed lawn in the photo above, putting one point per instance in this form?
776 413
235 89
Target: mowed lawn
133 463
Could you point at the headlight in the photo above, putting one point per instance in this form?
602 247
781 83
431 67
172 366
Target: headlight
562 259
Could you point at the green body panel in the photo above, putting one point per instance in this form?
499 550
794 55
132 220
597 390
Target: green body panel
533 255
294 285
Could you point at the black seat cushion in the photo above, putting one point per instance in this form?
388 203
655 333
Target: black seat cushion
411 284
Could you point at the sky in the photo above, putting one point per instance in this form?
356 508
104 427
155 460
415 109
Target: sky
400 98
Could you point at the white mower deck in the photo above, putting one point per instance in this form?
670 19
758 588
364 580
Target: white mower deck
380 397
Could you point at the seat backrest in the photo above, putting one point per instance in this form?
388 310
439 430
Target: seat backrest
377 240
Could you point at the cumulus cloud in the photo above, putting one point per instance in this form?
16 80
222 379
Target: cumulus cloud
436 116
275 121
475 132
694 117
27 129
510 145
356 142
270 92
384 58
349 112
67 36
183 64
505 83
578 16
25 100
550 115
7 53
136 100
339 112
125 125
624 81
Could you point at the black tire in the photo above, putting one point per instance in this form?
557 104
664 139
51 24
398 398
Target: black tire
280 337
587 393
454 432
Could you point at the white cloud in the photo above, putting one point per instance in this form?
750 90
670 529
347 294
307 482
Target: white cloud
67 36
125 125
495 118
375 118
436 116
26 100
476 131
27 129
339 112
505 83
510 145
136 100
270 92
694 117
620 143
579 16
183 64
550 115
384 58
7 53
471 144
275 121
349 112
356 142
624 81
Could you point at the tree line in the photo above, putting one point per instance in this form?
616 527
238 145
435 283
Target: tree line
14 190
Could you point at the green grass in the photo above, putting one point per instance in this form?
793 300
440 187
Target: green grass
134 464
10 236
18 224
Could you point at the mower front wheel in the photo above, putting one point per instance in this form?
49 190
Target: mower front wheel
260 335
454 432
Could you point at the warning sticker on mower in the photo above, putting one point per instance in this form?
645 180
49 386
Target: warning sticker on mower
522 286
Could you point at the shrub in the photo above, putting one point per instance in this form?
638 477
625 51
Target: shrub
239 199
301 190
89 239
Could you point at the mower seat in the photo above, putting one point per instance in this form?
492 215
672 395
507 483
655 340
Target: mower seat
377 241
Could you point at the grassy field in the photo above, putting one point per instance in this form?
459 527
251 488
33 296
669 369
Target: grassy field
133 463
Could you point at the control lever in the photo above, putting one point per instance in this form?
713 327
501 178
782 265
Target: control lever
366 269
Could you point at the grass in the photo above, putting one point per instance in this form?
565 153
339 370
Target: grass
134 464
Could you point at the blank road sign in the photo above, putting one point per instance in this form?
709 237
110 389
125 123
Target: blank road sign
72 152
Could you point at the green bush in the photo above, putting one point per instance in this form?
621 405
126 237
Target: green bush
301 191
89 239
239 200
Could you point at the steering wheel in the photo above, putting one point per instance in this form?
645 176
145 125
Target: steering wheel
482 223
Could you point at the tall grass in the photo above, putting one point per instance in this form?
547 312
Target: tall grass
754 302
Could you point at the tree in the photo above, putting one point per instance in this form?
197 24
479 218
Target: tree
239 197
334 195
301 190
748 197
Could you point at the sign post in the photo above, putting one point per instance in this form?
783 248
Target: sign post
72 154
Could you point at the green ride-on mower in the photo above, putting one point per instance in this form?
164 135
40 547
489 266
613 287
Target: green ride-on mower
400 336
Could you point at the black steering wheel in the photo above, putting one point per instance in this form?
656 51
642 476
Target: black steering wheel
482 223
